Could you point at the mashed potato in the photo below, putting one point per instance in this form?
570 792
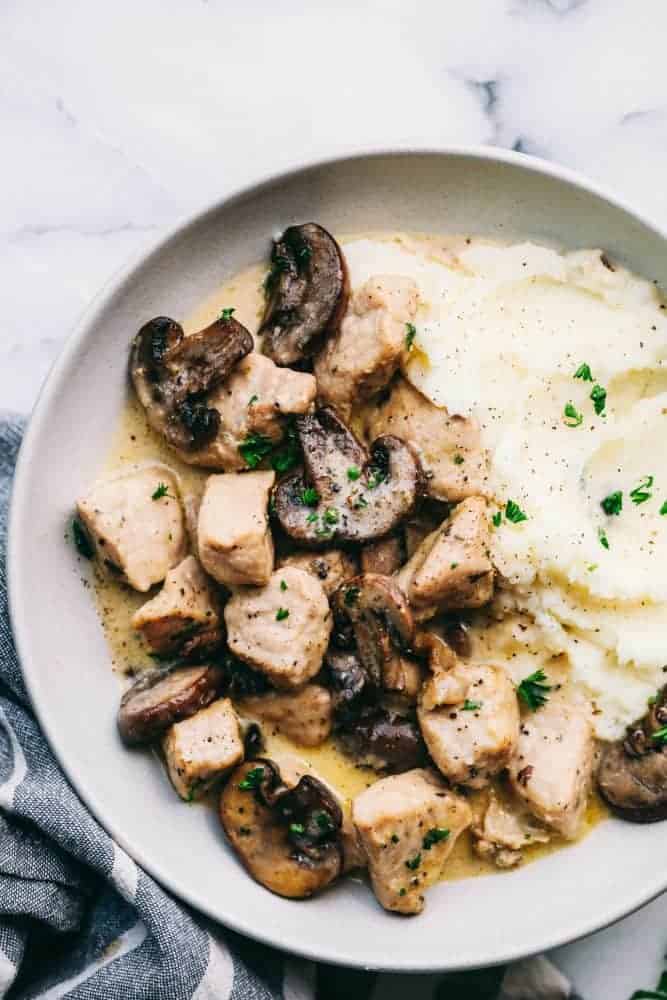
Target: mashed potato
520 336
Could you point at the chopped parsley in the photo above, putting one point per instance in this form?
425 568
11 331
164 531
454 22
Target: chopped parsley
584 372
402 891
352 595
410 335
376 477
253 399
659 993
602 536
613 504
453 565
458 460
599 398
227 314
471 706
312 517
297 828
330 516
663 509
287 454
514 513
434 836
283 585
573 418
310 497
414 863
641 494
533 690
282 614
660 735
82 542
161 491
253 779
353 473
323 820
255 448
497 518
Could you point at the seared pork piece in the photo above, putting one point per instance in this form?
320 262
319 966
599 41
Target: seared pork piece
287 834
385 556
552 768
370 345
185 616
161 697
331 566
135 525
345 492
449 446
407 826
451 568
233 536
632 775
307 293
469 718
251 406
199 750
503 830
304 716
172 375
281 629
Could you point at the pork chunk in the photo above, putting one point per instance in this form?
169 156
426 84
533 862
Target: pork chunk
136 525
331 566
471 728
407 825
366 352
184 615
504 829
449 447
281 629
199 750
233 535
451 568
255 399
552 768
303 716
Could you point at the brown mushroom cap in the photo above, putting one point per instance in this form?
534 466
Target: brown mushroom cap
173 373
162 697
289 839
358 507
632 775
308 290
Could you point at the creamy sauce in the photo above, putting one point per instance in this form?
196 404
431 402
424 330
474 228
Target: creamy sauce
135 444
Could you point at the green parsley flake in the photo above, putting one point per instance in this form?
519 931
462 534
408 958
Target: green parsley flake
310 497
161 491
352 595
573 418
254 449
497 518
410 335
353 473
414 863
331 516
297 828
602 537
613 504
253 399
641 494
663 509
434 836
253 779
323 820
660 735
599 398
376 477
533 690
312 517
283 585
227 314
584 372
471 706
458 460
514 513
282 614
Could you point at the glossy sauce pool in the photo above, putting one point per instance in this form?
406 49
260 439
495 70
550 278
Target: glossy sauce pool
134 444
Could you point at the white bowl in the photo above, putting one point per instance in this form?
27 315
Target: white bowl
66 662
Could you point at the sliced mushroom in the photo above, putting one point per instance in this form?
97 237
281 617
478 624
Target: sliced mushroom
173 373
381 620
384 740
345 492
385 556
632 775
289 839
307 289
163 697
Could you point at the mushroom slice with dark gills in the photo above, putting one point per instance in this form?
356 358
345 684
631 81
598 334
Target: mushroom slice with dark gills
307 291
162 697
173 373
345 492
632 775
288 838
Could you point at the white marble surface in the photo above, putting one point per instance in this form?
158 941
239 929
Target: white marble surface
118 119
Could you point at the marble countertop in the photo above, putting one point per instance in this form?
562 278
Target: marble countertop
120 119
